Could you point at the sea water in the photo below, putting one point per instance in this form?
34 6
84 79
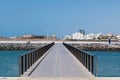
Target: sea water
108 63
9 60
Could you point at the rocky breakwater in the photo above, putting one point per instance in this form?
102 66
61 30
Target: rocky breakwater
20 46
97 47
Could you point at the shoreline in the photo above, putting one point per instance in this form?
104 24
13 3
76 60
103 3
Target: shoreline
21 46
98 47
83 45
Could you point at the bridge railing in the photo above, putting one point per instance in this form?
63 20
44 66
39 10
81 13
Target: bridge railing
28 59
87 59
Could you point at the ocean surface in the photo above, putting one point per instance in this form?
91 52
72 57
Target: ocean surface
9 63
108 63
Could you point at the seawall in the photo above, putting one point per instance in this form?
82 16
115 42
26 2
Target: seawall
20 46
98 47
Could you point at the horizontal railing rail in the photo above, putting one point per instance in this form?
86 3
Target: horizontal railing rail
87 59
28 59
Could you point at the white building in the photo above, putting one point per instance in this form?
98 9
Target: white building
78 36
75 36
90 36
98 35
27 35
67 37
118 36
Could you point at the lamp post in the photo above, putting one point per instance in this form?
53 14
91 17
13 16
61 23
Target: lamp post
47 34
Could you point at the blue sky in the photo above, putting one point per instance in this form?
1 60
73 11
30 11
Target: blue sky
60 17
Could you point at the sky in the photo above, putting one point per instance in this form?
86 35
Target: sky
59 17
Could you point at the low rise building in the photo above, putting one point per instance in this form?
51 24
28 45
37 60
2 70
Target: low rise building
91 36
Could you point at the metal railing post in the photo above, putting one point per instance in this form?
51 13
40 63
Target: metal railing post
27 60
87 59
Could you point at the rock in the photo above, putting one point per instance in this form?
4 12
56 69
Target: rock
96 47
20 46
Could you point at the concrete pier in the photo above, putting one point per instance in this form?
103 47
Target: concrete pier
60 63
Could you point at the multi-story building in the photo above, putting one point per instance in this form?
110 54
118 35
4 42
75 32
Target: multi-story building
82 31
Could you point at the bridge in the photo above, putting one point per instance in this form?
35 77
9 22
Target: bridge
56 60
60 63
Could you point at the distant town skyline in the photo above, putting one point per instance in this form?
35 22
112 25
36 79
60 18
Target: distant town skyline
80 35
59 17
